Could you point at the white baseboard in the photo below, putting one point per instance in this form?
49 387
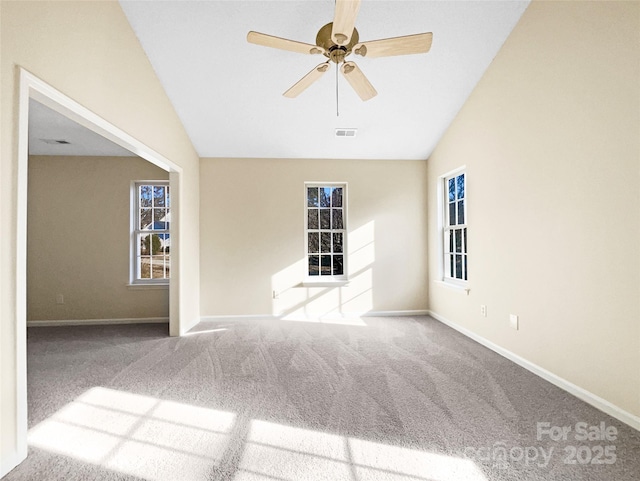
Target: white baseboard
250 317
418 312
346 315
586 396
98 322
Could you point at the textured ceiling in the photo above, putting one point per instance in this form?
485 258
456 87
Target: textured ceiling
46 127
228 93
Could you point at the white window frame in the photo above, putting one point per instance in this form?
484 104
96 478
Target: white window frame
134 266
327 279
447 230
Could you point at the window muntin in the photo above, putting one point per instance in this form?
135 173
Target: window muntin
151 236
455 227
326 231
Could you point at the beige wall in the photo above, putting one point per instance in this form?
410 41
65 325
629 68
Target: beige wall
252 236
89 52
550 137
78 239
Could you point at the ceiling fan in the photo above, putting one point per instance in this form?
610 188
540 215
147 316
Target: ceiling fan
336 41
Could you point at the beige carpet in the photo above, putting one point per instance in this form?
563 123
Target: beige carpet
376 399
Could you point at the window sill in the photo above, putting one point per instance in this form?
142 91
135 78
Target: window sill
341 283
452 286
149 286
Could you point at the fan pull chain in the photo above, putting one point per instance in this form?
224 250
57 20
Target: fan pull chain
337 97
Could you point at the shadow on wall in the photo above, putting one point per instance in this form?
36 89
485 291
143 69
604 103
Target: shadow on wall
294 301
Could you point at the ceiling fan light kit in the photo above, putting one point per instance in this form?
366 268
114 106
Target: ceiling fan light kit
339 39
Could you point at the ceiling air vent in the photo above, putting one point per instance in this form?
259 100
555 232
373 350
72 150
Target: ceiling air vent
55 141
346 132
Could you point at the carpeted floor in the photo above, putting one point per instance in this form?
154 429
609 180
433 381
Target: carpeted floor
382 399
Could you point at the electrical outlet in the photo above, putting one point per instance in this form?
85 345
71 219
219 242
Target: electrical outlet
513 321
59 299
483 310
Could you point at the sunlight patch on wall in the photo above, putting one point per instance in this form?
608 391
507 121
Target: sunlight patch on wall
137 435
362 253
295 298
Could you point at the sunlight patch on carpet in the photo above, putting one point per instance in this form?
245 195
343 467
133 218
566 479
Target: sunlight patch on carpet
138 435
156 439
278 452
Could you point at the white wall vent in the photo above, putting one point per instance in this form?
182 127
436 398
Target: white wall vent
346 132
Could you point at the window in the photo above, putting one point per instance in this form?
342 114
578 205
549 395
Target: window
455 227
151 238
326 225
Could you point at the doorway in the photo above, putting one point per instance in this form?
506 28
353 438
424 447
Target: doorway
32 87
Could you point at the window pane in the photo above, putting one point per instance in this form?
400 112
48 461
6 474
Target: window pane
337 242
460 182
158 196
337 219
325 196
461 212
151 244
313 242
312 219
314 269
160 219
157 267
312 197
145 196
458 235
458 266
145 267
325 241
451 271
465 240
146 219
168 197
325 218
325 265
337 197
465 268
144 245
165 246
452 213
452 189
338 268
450 236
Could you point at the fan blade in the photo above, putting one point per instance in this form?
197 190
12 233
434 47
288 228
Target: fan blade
307 80
419 43
344 20
282 43
358 81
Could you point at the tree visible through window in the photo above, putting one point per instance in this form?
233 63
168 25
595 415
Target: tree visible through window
326 230
152 244
455 228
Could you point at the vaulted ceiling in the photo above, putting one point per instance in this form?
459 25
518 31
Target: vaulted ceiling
228 92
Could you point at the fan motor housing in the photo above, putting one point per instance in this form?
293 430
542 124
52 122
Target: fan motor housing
335 52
